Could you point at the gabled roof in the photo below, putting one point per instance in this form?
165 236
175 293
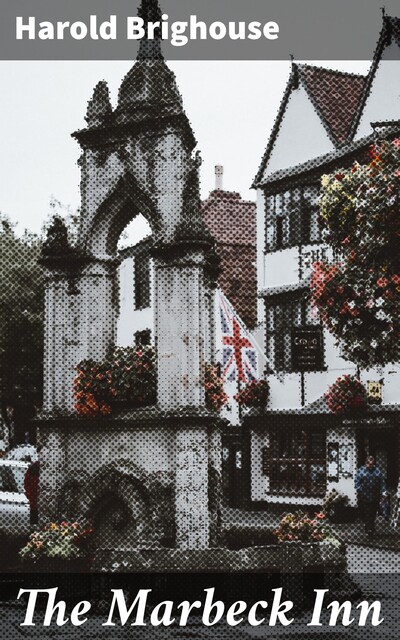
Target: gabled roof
390 31
339 98
335 96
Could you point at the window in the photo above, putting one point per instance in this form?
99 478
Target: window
282 316
143 338
311 230
142 281
291 218
297 461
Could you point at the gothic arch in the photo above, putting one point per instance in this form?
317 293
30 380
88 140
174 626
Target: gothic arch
123 499
122 205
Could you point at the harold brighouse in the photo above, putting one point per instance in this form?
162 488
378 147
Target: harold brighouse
212 611
178 32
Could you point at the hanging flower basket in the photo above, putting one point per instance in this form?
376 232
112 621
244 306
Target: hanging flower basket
358 297
346 396
254 395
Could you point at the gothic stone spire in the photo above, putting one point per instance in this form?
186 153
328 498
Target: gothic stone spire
150 49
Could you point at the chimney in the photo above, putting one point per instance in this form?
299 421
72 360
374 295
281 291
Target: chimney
219 174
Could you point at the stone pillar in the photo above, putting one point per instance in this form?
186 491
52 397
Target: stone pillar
191 488
181 328
80 323
52 470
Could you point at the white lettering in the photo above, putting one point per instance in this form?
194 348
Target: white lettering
209 605
166 618
186 609
20 27
108 30
78 30
253 621
271 30
319 601
119 600
178 37
135 30
217 30
234 610
254 31
46 31
336 608
276 613
365 609
197 26
237 31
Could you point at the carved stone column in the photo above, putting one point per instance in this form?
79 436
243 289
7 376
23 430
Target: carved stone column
52 473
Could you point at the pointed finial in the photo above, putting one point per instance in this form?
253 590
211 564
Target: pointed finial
99 105
150 49
383 9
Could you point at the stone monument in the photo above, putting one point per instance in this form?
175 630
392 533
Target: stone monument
143 476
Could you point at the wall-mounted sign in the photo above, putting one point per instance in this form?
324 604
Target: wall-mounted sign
333 461
374 390
307 348
346 460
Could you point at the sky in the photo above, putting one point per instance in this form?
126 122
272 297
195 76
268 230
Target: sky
232 106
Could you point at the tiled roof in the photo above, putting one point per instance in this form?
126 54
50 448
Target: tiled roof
336 96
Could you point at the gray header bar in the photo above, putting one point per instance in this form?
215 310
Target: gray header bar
308 29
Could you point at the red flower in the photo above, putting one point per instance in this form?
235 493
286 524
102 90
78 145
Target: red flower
382 282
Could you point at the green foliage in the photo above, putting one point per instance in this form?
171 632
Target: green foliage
21 319
62 540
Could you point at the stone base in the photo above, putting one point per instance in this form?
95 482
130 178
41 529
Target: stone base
282 558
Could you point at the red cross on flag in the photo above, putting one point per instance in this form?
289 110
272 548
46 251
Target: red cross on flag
237 350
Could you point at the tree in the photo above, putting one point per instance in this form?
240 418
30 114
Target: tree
358 295
21 321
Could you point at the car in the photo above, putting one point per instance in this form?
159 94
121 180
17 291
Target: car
14 505
23 453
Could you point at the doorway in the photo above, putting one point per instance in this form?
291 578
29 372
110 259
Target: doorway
235 472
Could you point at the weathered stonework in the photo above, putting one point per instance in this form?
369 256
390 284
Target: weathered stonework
141 477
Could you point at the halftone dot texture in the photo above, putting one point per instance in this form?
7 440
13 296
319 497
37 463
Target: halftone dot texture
129 442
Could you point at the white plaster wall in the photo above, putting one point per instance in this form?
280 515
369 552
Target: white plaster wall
284 391
302 135
383 102
131 320
281 268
